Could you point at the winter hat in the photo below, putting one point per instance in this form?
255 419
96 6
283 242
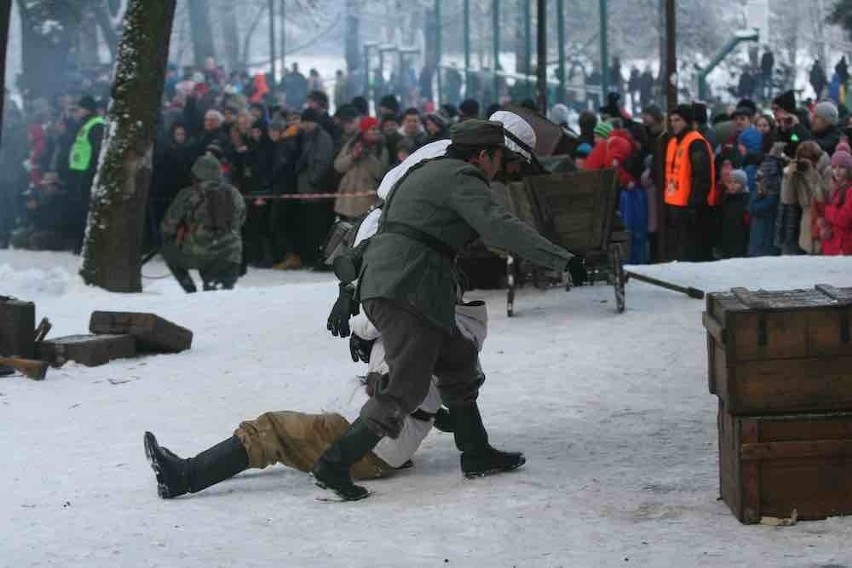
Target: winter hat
437 119
828 112
786 101
699 110
843 147
654 112
469 108
603 129
746 107
751 139
685 112
582 151
448 111
559 114
366 123
361 105
391 102
310 115
842 159
206 168
740 177
612 108
87 102
318 97
346 112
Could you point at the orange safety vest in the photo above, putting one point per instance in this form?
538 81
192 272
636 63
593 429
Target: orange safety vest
679 172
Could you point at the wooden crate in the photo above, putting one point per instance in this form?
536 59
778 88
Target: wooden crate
89 350
152 333
17 328
770 466
780 352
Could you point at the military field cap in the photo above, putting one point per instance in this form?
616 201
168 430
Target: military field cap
475 132
206 168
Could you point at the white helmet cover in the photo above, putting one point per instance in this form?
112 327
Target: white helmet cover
519 129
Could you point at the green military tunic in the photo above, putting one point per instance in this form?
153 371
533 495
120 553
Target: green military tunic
448 200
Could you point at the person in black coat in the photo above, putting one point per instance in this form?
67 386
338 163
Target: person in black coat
734 241
172 164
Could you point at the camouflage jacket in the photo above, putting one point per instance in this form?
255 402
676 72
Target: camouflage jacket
205 221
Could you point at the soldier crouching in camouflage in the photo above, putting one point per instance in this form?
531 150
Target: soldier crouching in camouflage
201 229
408 288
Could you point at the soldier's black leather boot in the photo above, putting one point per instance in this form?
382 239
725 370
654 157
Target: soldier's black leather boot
332 469
177 476
478 458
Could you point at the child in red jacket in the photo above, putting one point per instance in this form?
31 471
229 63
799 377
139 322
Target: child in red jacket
836 225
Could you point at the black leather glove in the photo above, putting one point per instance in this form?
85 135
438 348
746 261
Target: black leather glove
360 348
343 309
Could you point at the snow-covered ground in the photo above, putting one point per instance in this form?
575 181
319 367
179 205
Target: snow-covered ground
612 411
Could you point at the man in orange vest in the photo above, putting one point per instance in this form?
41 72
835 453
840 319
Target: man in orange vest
690 189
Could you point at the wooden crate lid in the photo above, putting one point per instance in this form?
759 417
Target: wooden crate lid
743 300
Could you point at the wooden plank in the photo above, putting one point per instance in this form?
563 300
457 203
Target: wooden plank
152 333
797 449
89 350
714 328
787 385
771 465
836 294
17 328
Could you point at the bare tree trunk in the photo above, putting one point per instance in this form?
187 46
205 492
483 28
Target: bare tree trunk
352 36
48 51
101 12
202 38
231 33
111 258
5 22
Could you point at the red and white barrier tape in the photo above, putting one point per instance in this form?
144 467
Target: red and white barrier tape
311 196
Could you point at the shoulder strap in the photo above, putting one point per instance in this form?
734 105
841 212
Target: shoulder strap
392 192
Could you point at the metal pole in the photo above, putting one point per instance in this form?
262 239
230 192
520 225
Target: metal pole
272 39
541 60
467 93
495 24
439 49
283 37
527 69
670 76
367 72
604 51
560 34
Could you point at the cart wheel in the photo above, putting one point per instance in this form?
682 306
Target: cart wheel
617 277
510 283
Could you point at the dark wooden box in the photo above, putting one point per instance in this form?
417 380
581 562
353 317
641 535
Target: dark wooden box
770 466
89 350
780 352
17 328
152 332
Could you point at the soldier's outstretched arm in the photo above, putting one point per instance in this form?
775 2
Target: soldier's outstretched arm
472 200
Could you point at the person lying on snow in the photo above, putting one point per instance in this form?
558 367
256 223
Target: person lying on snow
297 440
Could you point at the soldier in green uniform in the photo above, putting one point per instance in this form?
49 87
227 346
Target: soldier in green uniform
407 285
201 229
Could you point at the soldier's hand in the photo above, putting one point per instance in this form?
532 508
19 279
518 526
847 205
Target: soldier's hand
344 307
360 348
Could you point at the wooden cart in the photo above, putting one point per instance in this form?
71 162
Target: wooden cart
576 211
